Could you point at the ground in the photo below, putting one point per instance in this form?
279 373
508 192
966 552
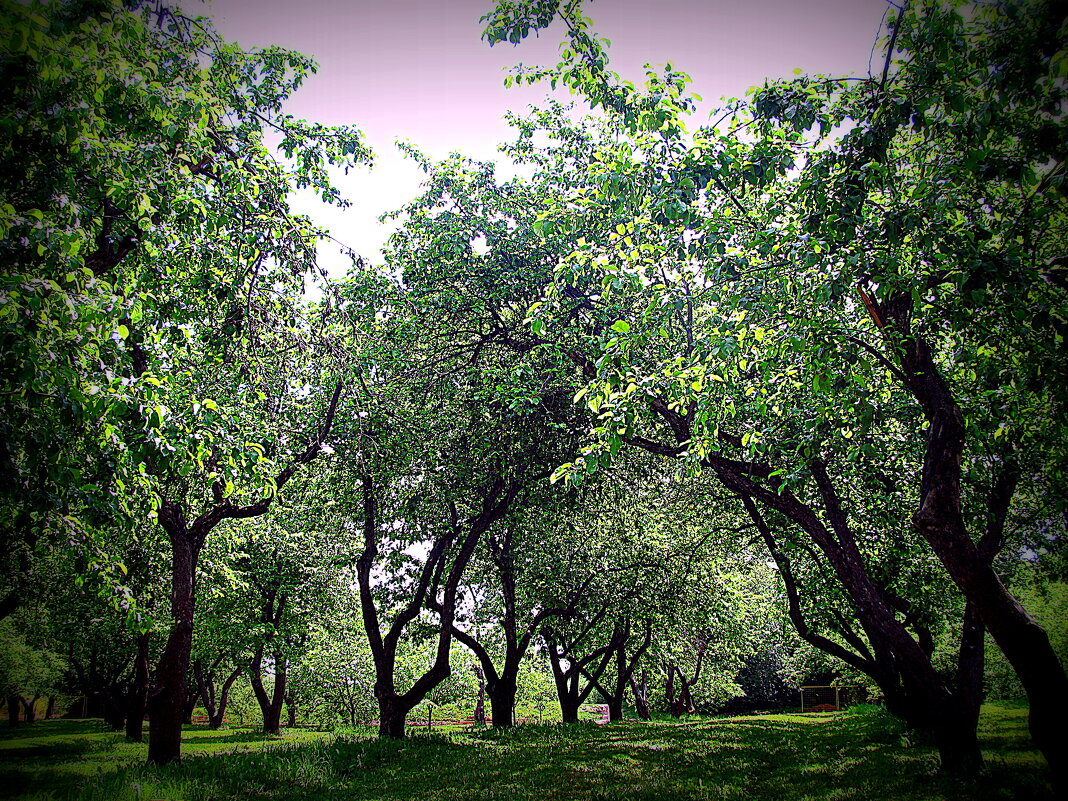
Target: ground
860 754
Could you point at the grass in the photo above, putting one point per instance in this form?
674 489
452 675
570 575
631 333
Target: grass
862 754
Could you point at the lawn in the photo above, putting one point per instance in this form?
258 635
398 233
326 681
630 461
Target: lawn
862 754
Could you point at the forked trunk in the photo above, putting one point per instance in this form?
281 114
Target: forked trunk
270 706
29 707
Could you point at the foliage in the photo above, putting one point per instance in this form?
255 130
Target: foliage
1049 604
26 669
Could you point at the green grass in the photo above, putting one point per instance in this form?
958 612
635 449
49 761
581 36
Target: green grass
862 754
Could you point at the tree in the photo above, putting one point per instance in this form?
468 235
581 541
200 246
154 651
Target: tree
153 222
804 215
26 673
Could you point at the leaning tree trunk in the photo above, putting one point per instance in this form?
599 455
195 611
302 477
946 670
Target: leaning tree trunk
135 714
940 521
216 721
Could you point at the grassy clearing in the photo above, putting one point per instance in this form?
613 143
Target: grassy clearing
857 755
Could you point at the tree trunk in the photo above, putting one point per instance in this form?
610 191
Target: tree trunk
940 521
569 709
392 717
480 706
135 715
13 710
291 710
502 703
1026 647
216 721
115 708
641 695
900 664
669 688
29 707
615 708
166 706
270 706
971 661
686 704
191 698
957 740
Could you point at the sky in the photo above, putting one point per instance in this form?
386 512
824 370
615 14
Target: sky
418 71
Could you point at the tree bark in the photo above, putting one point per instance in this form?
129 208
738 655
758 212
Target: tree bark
138 698
13 706
640 690
270 705
392 716
502 701
480 705
166 706
291 710
940 520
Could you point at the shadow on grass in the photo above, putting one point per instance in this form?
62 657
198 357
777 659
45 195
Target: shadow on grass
50 728
848 757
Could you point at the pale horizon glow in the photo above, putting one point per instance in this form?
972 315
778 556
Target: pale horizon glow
418 71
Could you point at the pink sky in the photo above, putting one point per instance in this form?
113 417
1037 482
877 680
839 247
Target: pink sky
417 70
